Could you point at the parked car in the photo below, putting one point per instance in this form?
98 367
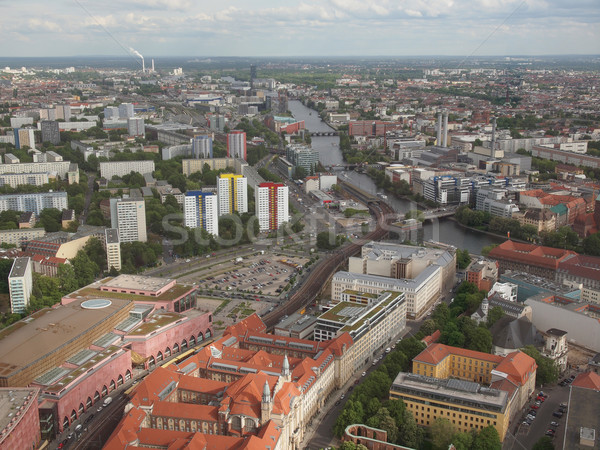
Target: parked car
535 406
558 414
363 374
554 424
550 432
530 417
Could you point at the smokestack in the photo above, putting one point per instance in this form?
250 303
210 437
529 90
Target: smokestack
152 64
493 133
445 143
439 129
143 66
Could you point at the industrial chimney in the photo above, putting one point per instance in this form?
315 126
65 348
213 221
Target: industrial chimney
493 134
445 143
439 129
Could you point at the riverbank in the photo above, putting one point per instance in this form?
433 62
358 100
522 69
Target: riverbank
488 233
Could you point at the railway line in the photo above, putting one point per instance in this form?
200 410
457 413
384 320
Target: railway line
321 272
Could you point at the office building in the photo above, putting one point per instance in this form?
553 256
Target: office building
233 194
24 137
302 156
135 126
236 144
34 203
113 248
108 170
202 146
271 203
200 210
111 113
20 284
128 216
126 110
50 131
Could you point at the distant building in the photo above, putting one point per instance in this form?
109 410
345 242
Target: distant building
232 191
111 113
68 217
27 220
202 146
34 203
556 347
135 126
483 274
108 170
126 110
236 144
271 203
302 156
113 248
20 284
200 210
508 291
18 179
50 131
20 237
24 137
541 219
128 216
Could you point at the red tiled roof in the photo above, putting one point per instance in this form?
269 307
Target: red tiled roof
587 380
185 411
432 338
251 323
582 266
518 366
282 403
205 385
536 255
436 353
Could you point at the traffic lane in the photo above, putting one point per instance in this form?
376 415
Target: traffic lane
537 429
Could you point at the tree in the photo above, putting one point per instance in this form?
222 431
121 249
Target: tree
480 339
384 421
463 441
547 371
352 413
494 315
409 434
428 327
85 269
591 244
543 443
95 251
66 278
463 259
442 431
51 219
487 439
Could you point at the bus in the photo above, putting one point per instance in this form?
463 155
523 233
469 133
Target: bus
192 351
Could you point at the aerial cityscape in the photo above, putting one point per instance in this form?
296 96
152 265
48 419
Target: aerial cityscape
328 226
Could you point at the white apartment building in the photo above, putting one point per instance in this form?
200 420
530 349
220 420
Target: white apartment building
126 110
508 291
111 113
200 210
20 284
34 203
271 204
108 170
135 126
128 216
236 144
233 194
113 248
20 236
19 179
61 168
202 146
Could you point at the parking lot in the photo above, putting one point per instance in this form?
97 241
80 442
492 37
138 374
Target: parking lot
528 435
258 275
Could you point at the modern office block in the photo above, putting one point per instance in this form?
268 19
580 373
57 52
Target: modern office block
135 126
233 194
128 216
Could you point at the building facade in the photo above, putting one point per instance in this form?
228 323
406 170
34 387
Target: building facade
271 203
20 284
34 203
135 126
50 131
200 210
236 144
202 146
232 191
128 216
108 170
113 248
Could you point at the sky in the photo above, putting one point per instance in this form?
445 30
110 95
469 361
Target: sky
299 28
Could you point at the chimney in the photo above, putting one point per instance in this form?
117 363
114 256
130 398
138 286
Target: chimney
445 142
152 64
493 133
439 129
143 65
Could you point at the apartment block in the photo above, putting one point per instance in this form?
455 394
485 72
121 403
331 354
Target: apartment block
202 146
108 170
200 210
135 126
20 284
236 144
19 179
113 248
50 131
34 203
271 203
128 216
232 191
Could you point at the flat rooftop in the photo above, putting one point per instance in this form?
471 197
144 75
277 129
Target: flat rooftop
47 330
584 411
11 399
297 322
155 322
452 390
19 267
138 282
93 291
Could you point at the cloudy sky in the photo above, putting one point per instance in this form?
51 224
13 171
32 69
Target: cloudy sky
298 28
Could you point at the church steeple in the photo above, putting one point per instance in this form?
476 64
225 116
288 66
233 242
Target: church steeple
266 398
265 405
285 370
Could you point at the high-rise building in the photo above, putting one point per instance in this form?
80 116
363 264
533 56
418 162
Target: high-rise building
236 144
63 112
302 156
128 216
233 194
34 202
20 284
200 210
135 126
126 110
24 137
202 146
50 131
113 248
271 203
111 113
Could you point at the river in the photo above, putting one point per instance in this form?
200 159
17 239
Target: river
447 231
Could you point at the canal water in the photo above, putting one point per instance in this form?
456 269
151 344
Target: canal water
444 230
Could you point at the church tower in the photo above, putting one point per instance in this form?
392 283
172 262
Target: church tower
265 404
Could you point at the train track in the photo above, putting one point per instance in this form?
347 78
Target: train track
322 271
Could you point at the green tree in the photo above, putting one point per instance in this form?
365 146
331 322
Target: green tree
352 413
409 434
494 315
384 421
487 439
50 219
85 269
95 251
5 268
547 371
463 259
463 441
543 443
66 278
480 339
428 327
442 431
591 244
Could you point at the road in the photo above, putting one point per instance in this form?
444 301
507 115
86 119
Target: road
88 198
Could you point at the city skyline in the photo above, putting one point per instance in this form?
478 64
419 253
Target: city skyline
266 28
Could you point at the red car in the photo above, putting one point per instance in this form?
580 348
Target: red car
541 399
534 406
